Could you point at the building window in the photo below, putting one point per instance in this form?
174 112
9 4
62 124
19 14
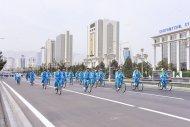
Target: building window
182 56
183 35
173 37
157 40
164 39
165 51
173 53
109 38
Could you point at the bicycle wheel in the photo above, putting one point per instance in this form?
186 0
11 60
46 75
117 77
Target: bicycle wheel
169 86
87 85
90 89
140 87
123 87
160 85
60 90
45 85
103 83
56 90
64 84
96 84
133 87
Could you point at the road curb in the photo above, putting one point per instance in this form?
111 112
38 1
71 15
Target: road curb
14 116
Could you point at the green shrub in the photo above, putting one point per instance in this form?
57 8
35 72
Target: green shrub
186 73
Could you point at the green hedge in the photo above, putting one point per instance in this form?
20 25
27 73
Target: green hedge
186 73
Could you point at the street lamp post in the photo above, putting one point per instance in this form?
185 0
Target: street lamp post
142 57
109 64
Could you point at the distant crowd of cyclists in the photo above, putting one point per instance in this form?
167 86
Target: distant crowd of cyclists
87 78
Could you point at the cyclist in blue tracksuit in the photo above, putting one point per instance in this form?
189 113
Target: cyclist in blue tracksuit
48 77
57 77
119 76
18 78
44 77
71 75
81 76
100 76
77 75
27 76
92 78
163 77
86 76
63 77
32 77
136 76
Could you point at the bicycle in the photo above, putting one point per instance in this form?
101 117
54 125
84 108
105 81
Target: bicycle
168 85
71 81
18 80
44 84
139 87
81 82
65 84
121 86
99 83
31 82
48 81
58 89
87 85
90 88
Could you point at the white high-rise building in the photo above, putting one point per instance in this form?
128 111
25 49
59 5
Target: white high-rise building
38 58
64 48
22 62
32 62
103 42
50 51
10 63
43 55
18 63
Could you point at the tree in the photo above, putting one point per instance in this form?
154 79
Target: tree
2 62
114 64
172 67
147 68
101 65
162 64
128 68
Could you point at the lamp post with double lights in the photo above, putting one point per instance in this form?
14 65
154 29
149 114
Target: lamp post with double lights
109 56
142 57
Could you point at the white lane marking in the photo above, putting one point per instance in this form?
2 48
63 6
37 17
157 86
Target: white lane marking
141 108
44 120
157 95
165 114
105 99
170 97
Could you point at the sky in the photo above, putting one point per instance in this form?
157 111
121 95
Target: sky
27 24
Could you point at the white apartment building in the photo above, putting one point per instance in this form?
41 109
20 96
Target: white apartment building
10 63
174 45
50 51
64 48
103 42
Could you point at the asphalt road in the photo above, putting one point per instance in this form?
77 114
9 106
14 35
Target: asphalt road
104 107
